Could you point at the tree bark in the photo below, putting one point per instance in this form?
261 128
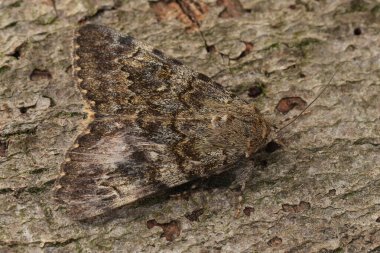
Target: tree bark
319 193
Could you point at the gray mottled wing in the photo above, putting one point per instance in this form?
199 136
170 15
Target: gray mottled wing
148 119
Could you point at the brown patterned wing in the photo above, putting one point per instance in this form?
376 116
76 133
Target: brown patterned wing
152 124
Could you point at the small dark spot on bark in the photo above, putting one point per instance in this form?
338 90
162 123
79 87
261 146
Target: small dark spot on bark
37 171
304 206
331 193
158 53
151 224
39 74
6 190
255 91
302 75
335 250
288 103
350 48
292 6
357 31
203 77
272 146
210 49
246 51
171 230
248 210
275 241
23 109
3 148
194 215
18 52
288 208
378 219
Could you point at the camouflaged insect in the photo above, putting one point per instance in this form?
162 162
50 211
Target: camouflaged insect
152 124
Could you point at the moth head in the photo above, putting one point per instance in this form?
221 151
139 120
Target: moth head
260 132
244 133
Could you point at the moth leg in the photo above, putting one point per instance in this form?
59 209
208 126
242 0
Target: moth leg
243 175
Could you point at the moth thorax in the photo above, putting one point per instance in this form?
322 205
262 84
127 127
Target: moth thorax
260 132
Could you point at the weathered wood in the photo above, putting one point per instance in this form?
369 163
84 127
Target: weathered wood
321 193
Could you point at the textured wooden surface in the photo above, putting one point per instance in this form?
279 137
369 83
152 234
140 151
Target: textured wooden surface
321 193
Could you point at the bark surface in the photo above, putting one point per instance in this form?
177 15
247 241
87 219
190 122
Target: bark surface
319 193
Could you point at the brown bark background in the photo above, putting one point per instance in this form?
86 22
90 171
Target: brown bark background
320 193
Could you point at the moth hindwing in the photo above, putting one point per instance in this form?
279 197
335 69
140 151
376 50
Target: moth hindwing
152 124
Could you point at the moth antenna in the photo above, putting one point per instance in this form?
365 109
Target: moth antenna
312 102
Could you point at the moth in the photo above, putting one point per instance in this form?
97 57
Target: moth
152 124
